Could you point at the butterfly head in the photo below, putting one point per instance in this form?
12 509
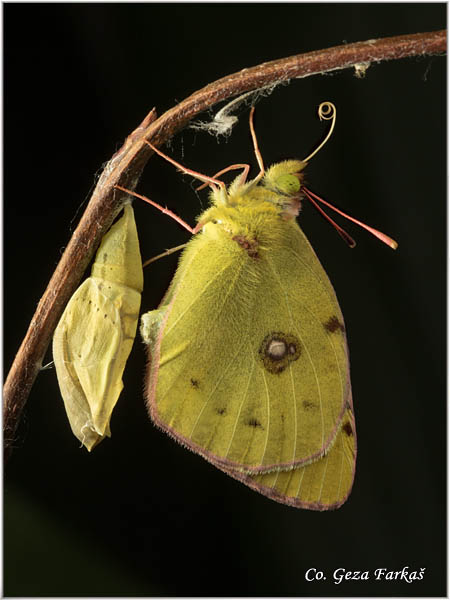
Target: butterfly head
284 180
285 177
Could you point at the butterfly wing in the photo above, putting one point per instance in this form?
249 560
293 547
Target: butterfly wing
321 485
214 384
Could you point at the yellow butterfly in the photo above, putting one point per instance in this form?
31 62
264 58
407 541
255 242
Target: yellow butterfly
95 334
248 354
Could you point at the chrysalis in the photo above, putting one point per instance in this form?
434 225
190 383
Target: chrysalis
94 337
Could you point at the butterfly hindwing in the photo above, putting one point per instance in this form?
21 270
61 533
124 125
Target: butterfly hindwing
321 485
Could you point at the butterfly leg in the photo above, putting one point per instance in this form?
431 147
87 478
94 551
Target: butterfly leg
255 146
214 183
165 253
245 167
165 211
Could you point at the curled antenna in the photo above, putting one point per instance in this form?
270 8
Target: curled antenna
327 111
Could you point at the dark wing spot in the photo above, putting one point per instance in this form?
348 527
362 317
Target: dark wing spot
220 411
254 423
195 383
277 350
308 405
347 428
333 324
250 246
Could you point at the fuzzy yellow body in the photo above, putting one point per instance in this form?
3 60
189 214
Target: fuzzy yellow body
249 362
95 334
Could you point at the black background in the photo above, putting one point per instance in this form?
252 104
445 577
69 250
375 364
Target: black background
142 515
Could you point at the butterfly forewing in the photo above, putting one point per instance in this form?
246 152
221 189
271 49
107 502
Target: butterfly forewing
250 363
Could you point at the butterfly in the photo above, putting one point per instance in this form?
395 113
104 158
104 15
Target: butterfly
248 357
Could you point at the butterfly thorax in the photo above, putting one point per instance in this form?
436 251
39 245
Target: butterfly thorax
259 209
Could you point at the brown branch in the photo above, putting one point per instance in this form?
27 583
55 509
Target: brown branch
126 167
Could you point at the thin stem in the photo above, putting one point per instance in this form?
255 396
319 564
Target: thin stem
126 166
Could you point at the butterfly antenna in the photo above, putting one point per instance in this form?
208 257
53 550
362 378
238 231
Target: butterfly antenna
378 234
327 111
344 235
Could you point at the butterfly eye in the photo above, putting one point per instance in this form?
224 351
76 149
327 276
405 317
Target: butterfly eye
288 183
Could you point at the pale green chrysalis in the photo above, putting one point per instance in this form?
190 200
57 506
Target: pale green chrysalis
93 339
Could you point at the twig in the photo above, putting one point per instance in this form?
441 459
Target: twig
126 167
